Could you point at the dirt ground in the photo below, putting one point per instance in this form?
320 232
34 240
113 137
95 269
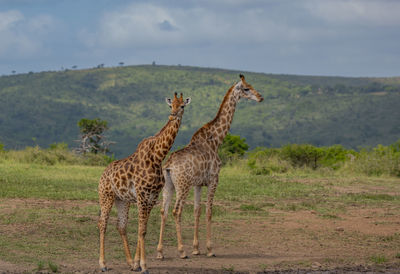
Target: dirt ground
282 242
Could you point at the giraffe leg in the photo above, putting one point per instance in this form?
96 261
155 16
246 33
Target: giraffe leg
136 261
123 210
210 198
177 212
144 214
106 203
167 196
197 212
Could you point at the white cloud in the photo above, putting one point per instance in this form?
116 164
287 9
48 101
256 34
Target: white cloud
154 25
138 25
9 19
21 36
358 12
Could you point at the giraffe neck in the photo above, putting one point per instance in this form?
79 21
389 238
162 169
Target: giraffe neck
215 131
165 138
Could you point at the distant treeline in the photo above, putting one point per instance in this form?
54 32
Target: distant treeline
44 108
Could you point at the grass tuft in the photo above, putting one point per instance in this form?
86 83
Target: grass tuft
378 259
53 267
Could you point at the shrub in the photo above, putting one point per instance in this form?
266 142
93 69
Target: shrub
233 147
377 161
264 161
302 155
55 154
334 156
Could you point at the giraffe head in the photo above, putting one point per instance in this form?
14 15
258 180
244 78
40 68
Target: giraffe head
177 106
247 91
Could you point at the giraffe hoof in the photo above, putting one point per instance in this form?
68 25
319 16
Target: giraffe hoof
211 255
104 269
185 257
145 272
160 257
138 269
196 252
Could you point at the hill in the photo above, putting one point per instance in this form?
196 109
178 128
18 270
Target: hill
43 108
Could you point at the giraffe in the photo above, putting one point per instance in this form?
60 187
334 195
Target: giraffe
198 165
137 179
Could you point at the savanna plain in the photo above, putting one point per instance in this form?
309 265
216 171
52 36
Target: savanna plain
300 219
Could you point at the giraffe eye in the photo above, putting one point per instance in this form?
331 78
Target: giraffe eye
182 106
246 89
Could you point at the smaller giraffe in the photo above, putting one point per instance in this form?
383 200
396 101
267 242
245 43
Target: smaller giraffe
198 165
137 179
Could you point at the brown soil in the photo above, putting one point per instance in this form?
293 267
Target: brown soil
283 242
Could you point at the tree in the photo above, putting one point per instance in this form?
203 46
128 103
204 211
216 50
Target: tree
121 63
92 138
232 147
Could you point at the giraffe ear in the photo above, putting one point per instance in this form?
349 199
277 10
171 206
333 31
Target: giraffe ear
168 101
187 101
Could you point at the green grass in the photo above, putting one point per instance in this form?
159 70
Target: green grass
49 182
238 184
378 259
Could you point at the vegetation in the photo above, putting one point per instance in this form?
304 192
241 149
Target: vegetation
321 111
53 227
377 161
380 160
233 147
56 154
92 136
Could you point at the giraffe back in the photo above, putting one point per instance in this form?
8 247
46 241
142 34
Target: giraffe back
193 165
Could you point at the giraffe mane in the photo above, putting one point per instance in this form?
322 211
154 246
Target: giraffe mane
207 125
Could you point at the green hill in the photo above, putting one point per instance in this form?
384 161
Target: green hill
43 108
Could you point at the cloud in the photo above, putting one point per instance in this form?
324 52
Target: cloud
137 25
358 12
142 25
166 26
9 19
20 36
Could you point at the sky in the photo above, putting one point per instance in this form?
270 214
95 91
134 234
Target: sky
306 37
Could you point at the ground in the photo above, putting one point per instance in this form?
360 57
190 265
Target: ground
303 221
279 240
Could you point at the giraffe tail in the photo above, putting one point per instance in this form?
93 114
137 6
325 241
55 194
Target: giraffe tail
168 179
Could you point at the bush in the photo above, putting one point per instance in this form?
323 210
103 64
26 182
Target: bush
233 147
377 161
264 161
334 156
381 160
55 154
302 155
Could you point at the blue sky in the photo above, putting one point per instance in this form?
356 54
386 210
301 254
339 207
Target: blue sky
309 37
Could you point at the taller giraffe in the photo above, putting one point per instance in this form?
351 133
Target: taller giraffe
137 179
198 165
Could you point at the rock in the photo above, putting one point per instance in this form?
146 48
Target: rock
316 265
